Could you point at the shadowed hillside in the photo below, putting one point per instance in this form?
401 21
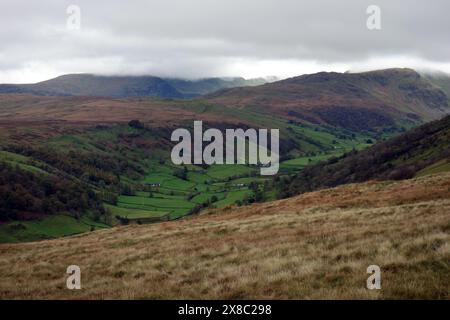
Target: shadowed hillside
314 246
421 151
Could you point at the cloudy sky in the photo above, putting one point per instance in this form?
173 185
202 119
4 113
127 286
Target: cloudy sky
202 38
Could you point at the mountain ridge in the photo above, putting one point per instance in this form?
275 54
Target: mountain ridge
353 100
85 84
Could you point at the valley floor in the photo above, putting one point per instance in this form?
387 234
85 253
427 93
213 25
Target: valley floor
314 246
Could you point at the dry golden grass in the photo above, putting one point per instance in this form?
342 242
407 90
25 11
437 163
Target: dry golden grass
314 246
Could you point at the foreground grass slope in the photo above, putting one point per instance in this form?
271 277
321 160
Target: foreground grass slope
317 245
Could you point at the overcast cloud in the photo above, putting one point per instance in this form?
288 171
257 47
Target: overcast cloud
201 38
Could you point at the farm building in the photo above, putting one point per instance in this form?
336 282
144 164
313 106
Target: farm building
153 184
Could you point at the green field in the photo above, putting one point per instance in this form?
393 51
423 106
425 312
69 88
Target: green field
46 228
134 213
178 197
301 162
232 197
225 171
23 162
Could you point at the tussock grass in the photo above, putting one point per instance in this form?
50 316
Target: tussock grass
314 246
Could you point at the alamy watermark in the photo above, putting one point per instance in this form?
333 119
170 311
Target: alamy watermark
73 21
374 280
239 146
373 21
73 281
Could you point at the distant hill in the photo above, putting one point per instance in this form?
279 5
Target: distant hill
355 101
126 86
390 99
209 85
420 151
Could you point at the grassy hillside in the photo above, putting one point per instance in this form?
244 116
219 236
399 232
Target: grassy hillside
314 246
421 151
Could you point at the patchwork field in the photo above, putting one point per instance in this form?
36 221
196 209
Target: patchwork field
314 246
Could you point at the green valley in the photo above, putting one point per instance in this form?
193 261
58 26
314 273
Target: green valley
107 161
138 183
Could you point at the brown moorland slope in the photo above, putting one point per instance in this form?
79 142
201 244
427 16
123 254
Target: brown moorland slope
27 107
317 245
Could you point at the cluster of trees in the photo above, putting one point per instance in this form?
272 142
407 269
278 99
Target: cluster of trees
24 192
73 174
257 195
181 173
354 119
91 167
206 204
199 207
